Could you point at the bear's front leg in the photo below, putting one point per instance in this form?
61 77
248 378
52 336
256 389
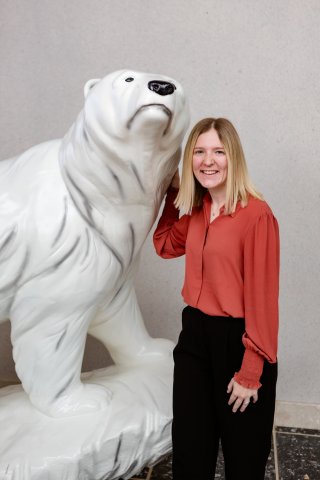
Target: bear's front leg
120 327
48 340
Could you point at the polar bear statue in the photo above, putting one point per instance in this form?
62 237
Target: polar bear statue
74 214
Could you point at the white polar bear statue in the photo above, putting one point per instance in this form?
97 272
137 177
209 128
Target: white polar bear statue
74 214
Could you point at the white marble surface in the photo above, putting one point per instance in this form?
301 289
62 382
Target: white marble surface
135 430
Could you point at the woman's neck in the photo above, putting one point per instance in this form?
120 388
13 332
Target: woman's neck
218 197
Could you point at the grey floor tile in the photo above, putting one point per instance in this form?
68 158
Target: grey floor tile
162 471
298 458
298 453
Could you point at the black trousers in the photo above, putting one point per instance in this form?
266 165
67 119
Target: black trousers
208 353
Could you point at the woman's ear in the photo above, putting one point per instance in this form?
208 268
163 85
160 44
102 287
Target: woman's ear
90 84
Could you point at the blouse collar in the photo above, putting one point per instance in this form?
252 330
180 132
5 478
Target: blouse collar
207 201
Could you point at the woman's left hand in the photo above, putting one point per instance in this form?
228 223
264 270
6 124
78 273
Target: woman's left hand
240 396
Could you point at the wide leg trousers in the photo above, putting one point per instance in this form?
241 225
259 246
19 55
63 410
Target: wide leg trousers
208 353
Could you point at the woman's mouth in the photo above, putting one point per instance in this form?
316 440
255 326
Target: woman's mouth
209 172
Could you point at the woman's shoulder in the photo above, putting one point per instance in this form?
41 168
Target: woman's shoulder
257 207
257 213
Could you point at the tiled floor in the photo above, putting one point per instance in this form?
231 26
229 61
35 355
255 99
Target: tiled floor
295 456
298 453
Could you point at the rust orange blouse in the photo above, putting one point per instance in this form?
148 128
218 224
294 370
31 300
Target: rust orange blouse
231 269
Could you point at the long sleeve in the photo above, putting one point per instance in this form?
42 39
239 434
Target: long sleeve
170 235
261 291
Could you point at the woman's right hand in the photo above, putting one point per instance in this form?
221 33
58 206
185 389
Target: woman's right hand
175 182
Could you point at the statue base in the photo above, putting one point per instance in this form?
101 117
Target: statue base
117 442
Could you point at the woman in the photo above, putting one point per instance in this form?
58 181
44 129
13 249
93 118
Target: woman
225 360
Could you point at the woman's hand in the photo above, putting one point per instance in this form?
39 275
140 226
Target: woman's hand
240 396
175 182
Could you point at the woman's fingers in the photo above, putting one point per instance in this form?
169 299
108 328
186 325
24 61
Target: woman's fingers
229 388
240 396
232 399
244 405
238 402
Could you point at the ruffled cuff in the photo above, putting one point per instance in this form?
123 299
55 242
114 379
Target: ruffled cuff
251 370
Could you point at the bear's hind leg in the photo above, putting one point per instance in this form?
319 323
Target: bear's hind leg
48 343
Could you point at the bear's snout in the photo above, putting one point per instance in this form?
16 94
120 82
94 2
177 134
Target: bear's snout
161 88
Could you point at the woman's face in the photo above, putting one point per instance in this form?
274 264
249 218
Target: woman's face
210 164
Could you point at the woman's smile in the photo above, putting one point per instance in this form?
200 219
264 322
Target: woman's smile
209 172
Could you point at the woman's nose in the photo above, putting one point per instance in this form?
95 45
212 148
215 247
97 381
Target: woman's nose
209 159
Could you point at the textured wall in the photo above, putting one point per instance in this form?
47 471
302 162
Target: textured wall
256 63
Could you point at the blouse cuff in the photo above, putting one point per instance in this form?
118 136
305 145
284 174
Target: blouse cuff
251 370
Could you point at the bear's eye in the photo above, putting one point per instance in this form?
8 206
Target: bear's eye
129 79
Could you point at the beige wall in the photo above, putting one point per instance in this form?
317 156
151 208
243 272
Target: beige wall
256 63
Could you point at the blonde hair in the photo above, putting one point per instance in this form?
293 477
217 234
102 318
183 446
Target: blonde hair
239 184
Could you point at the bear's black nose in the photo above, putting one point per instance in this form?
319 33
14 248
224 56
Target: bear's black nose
160 87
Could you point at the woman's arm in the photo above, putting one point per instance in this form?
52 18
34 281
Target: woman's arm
170 235
261 292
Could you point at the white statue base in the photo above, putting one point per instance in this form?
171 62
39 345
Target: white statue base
117 442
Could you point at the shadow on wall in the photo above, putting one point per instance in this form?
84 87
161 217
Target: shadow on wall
95 356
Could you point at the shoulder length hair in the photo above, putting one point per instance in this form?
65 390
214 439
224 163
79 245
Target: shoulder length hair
239 184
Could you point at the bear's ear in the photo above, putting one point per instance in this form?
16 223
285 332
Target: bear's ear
90 84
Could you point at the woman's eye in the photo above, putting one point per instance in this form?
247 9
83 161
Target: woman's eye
198 152
129 79
220 152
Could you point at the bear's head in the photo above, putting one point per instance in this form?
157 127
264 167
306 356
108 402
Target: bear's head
140 117
125 102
